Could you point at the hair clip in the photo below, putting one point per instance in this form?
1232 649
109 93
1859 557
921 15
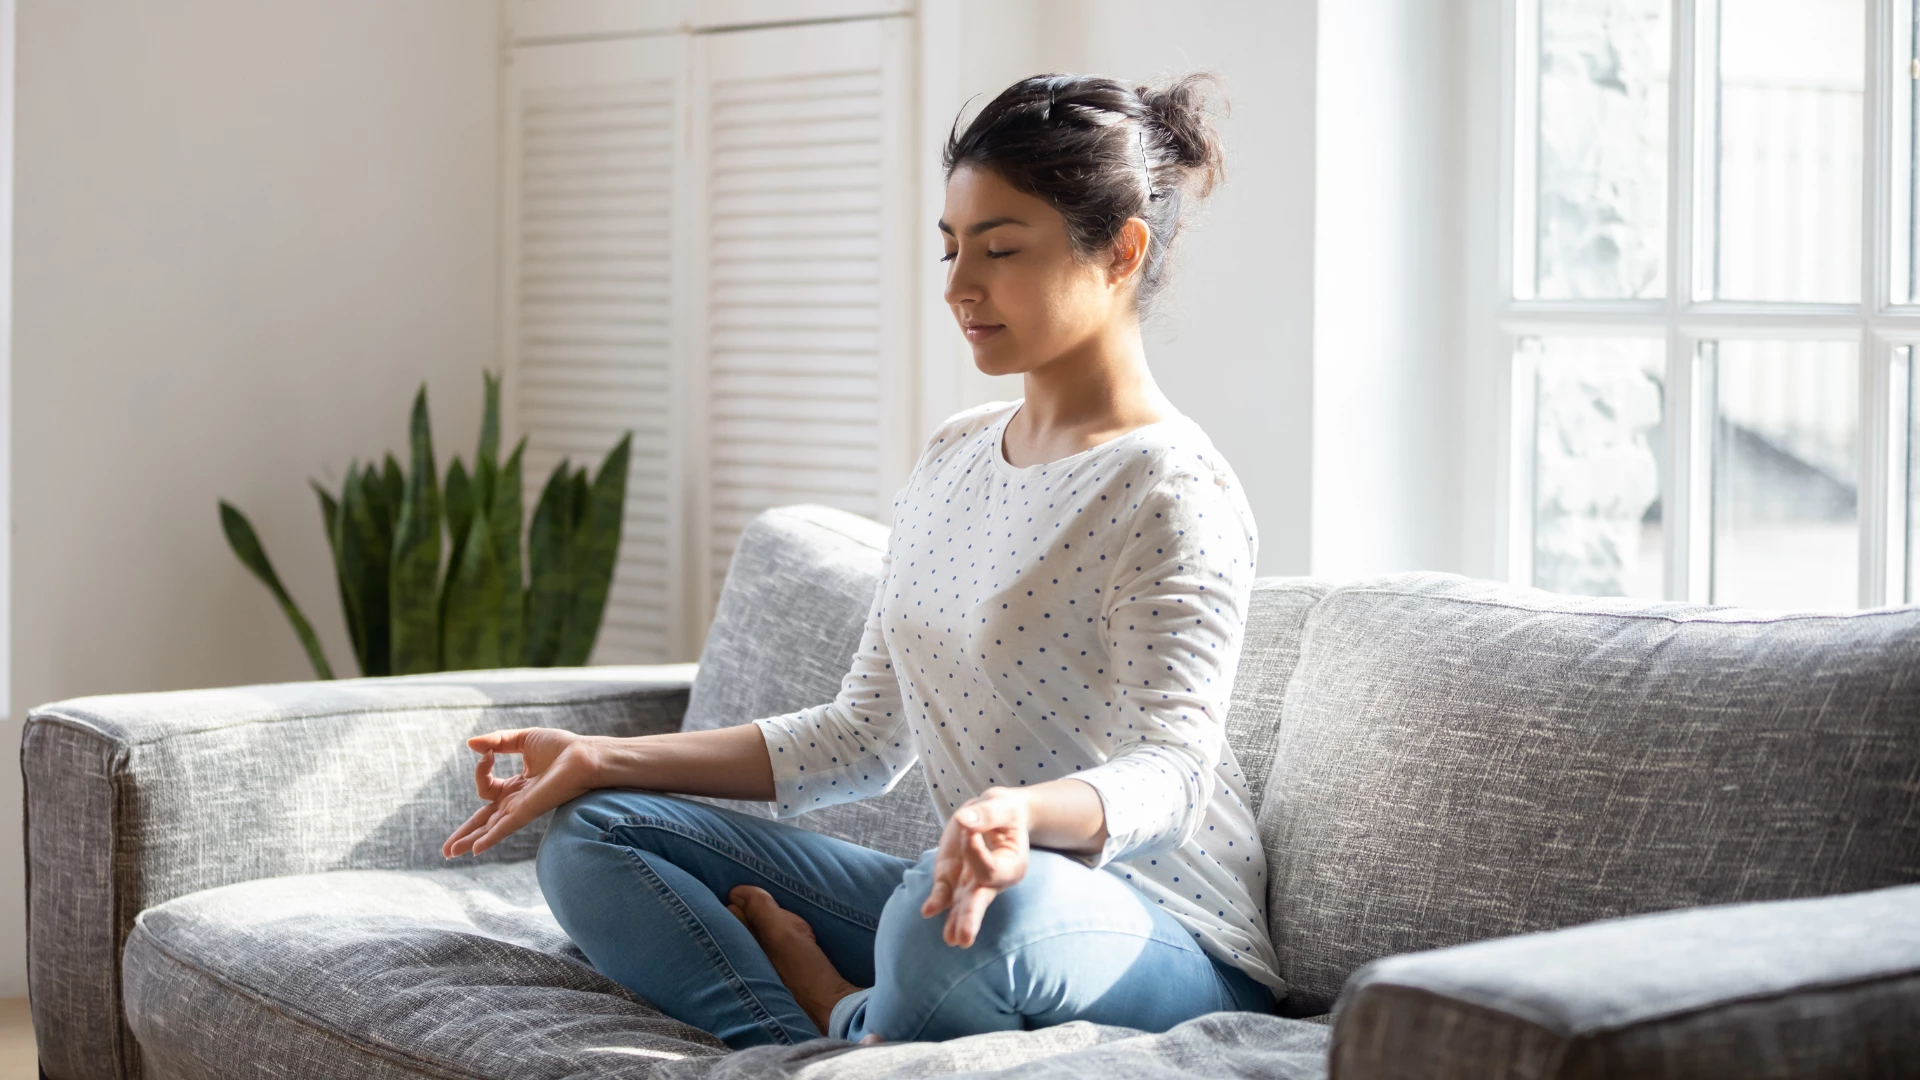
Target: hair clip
1140 133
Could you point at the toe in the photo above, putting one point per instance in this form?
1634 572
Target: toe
756 907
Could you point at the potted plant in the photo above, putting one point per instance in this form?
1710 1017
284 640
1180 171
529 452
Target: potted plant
490 607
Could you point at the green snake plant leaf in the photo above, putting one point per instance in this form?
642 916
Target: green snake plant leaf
503 524
473 603
549 568
459 499
596 549
489 423
393 492
330 517
246 545
414 574
366 544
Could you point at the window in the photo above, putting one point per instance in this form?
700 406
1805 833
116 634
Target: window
1710 289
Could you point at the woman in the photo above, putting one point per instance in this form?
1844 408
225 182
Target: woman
1054 636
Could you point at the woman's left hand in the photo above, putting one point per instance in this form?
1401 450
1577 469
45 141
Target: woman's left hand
983 849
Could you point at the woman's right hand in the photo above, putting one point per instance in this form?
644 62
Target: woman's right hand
559 766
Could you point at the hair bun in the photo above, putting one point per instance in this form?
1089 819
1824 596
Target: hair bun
1184 110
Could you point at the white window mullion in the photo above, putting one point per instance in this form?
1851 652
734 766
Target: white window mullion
1879 503
1898 482
1680 508
1882 473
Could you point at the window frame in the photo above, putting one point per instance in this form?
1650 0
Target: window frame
1882 330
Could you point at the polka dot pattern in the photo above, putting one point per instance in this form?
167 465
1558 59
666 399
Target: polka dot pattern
1080 618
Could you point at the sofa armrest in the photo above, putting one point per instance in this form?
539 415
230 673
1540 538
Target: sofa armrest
135 799
1827 987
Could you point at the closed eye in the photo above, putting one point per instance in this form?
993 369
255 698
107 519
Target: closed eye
1000 254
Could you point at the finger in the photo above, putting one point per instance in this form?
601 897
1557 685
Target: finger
467 826
484 782
937 899
520 806
947 866
963 922
463 844
508 820
871 1040
501 742
979 860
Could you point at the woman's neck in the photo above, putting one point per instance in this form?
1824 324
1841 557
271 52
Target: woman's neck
1083 398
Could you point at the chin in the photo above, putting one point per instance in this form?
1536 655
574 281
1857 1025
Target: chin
992 361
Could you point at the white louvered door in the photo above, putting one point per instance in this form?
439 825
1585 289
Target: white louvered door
806 135
705 244
591 193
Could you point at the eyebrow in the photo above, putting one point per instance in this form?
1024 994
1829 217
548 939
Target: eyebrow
979 227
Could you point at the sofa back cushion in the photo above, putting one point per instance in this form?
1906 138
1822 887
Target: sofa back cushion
1460 760
783 636
1267 658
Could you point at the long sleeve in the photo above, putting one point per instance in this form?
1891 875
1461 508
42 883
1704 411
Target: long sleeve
1174 615
855 746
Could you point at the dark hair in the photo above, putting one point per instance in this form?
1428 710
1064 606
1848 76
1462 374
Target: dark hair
1100 152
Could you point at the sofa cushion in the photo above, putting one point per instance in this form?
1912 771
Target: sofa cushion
783 636
385 974
1217 1044
1460 760
1270 651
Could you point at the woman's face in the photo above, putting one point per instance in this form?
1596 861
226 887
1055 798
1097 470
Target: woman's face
1021 295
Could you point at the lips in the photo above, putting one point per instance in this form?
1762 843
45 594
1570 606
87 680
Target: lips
978 332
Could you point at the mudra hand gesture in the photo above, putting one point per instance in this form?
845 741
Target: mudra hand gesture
983 850
559 767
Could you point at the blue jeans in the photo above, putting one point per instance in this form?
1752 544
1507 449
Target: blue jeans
638 880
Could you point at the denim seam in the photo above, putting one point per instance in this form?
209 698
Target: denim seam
990 961
705 840
698 931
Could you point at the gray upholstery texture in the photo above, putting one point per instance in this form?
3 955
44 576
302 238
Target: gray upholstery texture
1275 617
136 799
783 636
456 972
1820 989
1216 1045
1459 760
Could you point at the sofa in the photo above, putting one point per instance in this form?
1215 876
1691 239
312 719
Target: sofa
1509 834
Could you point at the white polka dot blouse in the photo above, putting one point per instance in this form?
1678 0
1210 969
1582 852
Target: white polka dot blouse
1079 618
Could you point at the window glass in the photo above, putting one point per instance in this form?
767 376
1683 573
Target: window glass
1783 124
1786 468
1598 407
1601 140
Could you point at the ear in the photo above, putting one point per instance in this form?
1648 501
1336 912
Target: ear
1129 254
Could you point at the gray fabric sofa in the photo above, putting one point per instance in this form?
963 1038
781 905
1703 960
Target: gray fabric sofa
1510 834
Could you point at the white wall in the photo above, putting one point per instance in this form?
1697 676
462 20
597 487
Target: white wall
1233 344
244 233
1389 288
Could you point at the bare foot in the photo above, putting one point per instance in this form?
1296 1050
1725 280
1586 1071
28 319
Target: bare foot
797 958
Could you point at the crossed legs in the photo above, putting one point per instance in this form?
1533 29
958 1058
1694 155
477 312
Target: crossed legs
758 930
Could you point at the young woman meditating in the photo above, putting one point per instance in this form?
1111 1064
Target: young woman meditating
1054 637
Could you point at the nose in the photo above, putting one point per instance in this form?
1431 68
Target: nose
963 285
